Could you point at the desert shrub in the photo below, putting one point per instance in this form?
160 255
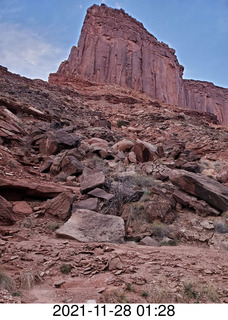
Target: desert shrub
6 282
16 293
143 181
28 223
221 227
114 296
121 123
27 280
199 293
66 268
53 226
171 242
145 294
159 229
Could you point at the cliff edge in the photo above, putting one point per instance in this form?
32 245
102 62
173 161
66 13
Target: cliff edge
115 48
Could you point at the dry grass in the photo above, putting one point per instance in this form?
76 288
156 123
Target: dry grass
6 282
27 280
188 292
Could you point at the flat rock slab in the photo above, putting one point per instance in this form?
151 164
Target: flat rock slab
205 188
90 226
92 181
35 189
89 204
101 194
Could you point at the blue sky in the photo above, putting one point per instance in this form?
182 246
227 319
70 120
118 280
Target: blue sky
36 36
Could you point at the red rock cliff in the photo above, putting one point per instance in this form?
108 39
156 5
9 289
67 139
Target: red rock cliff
116 48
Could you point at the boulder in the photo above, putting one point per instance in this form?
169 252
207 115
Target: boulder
55 141
92 181
90 226
71 166
145 151
123 145
205 188
98 142
22 208
89 204
6 213
222 175
148 241
60 206
191 166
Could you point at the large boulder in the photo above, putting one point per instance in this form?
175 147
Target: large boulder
90 226
6 213
55 141
205 188
60 206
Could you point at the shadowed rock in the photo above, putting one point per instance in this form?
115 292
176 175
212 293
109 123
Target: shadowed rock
6 213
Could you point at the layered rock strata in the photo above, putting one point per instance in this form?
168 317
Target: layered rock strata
115 48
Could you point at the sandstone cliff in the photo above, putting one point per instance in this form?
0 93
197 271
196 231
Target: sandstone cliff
116 48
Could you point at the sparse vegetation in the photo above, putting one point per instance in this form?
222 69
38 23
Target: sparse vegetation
143 181
189 292
53 226
66 268
28 223
16 293
27 280
199 293
221 227
6 282
145 294
121 123
115 296
171 242
159 229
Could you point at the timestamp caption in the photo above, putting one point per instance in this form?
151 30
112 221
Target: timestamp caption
117 310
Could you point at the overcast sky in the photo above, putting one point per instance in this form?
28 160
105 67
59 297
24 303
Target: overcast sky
36 36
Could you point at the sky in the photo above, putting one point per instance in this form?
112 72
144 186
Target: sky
36 36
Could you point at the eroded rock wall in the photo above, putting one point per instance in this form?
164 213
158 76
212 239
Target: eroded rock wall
116 48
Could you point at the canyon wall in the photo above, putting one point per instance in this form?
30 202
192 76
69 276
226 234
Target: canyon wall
115 48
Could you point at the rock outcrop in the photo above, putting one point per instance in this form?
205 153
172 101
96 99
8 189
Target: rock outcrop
115 48
205 188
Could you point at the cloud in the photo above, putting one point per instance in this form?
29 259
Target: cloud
27 53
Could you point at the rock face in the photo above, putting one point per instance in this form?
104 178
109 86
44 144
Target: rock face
115 48
89 226
205 188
